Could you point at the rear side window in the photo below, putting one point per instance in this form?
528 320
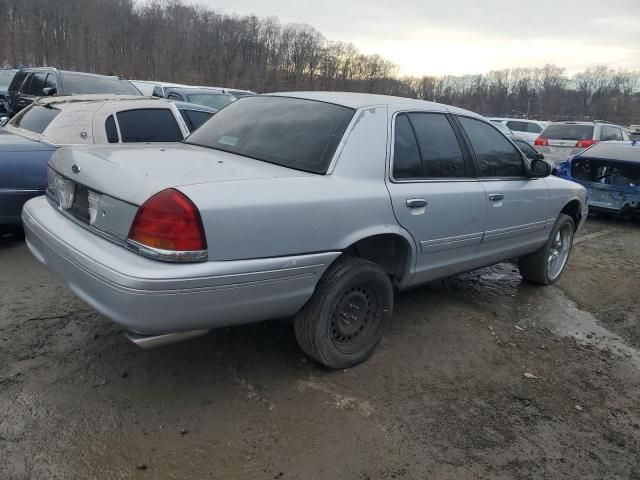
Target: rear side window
195 118
610 133
291 132
111 130
406 156
568 132
78 83
533 127
35 119
16 83
517 126
439 148
149 125
496 156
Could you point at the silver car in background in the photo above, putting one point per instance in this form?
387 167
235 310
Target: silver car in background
562 140
314 205
524 129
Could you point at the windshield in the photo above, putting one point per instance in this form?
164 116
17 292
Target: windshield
568 132
295 133
78 83
5 78
211 100
35 118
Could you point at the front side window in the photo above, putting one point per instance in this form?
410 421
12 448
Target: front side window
36 84
17 81
527 149
291 132
439 148
35 118
406 156
496 156
148 125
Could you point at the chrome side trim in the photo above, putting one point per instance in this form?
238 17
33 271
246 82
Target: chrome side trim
502 233
167 255
11 191
449 243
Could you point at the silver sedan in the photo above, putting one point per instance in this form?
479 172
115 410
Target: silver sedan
313 205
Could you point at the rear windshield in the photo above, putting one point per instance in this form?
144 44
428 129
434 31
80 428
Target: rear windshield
210 100
295 133
78 83
35 119
568 132
5 78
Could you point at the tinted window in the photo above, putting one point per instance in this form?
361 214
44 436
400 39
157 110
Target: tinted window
569 131
111 130
194 118
36 84
533 127
517 126
496 156
406 156
50 81
35 119
527 149
439 147
16 83
210 100
291 132
174 96
149 125
79 83
608 133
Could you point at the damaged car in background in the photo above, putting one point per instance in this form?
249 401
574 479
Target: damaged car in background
316 205
610 171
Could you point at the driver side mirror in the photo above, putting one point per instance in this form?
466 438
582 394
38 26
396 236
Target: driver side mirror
4 121
540 168
49 91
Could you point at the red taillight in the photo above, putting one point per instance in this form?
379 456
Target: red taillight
541 141
585 143
169 221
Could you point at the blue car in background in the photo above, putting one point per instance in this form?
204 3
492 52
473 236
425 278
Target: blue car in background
33 135
610 171
6 75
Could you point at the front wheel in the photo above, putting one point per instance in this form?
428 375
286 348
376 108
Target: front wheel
348 314
545 266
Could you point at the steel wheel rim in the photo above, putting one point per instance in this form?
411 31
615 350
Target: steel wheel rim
355 317
559 254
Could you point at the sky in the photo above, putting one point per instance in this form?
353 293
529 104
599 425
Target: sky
426 37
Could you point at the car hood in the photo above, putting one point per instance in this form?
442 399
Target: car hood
134 173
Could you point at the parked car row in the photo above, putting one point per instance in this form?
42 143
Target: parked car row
314 205
31 137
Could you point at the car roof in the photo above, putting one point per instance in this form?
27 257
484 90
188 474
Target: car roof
363 100
97 97
623 151
506 119
52 69
188 89
160 84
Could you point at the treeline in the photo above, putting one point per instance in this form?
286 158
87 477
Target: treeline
171 41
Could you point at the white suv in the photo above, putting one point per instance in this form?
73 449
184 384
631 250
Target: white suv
525 129
562 140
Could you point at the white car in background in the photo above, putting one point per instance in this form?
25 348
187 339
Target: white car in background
150 88
527 130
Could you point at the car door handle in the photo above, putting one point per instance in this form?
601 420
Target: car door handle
496 197
416 203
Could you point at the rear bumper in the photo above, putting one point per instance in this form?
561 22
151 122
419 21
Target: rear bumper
154 298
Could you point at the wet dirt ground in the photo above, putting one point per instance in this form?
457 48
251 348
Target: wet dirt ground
444 396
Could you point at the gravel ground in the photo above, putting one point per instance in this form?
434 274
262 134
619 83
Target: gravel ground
444 397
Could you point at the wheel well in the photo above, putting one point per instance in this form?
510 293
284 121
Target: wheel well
574 211
389 251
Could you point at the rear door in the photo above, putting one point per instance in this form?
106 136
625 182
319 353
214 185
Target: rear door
517 205
435 193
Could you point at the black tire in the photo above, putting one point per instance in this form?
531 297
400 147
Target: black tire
347 315
534 268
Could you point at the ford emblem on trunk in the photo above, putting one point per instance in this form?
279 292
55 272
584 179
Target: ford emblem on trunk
75 169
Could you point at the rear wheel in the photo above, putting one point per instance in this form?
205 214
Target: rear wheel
545 266
348 314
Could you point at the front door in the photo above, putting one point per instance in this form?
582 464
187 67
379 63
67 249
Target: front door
516 204
435 194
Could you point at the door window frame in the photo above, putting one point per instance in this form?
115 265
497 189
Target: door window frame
524 159
472 169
